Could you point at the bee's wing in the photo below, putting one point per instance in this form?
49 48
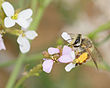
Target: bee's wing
96 53
93 57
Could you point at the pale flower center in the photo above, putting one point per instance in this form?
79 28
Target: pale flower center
15 17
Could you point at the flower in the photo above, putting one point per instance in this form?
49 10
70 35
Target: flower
66 37
68 56
23 41
2 46
48 63
13 17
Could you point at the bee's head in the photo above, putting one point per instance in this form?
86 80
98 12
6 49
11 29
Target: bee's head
76 40
72 39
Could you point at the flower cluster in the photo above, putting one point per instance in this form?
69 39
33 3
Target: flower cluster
61 55
65 55
23 19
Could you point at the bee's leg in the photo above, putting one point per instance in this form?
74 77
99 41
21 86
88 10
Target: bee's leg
76 64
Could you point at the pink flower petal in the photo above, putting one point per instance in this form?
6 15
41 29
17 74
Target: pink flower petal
47 65
52 50
66 50
65 59
2 45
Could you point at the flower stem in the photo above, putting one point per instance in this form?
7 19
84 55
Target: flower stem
101 28
29 59
14 74
33 72
34 5
35 23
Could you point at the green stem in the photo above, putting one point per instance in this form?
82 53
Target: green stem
101 28
34 5
14 74
29 59
21 3
33 72
37 19
35 23
103 41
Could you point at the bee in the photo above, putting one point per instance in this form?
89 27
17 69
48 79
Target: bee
83 47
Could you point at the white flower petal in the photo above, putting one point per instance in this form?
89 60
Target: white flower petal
24 44
25 14
47 65
22 22
73 55
29 22
69 67
25 48
8 9
66 37
8 22
31 34
22 40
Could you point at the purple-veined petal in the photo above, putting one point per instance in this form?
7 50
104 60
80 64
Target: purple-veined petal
8 9
47 65
66 50
65 59
8 22
52 50
69 67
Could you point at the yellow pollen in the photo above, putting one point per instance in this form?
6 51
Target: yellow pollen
82 58
23 35
15 16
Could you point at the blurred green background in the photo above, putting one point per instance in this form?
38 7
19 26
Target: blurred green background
73 16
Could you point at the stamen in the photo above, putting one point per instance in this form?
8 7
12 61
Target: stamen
15 16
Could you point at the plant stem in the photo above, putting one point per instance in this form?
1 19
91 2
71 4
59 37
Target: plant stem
21 3
29 59
101 28
14 74
35 23
37 19
33 72
34 5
